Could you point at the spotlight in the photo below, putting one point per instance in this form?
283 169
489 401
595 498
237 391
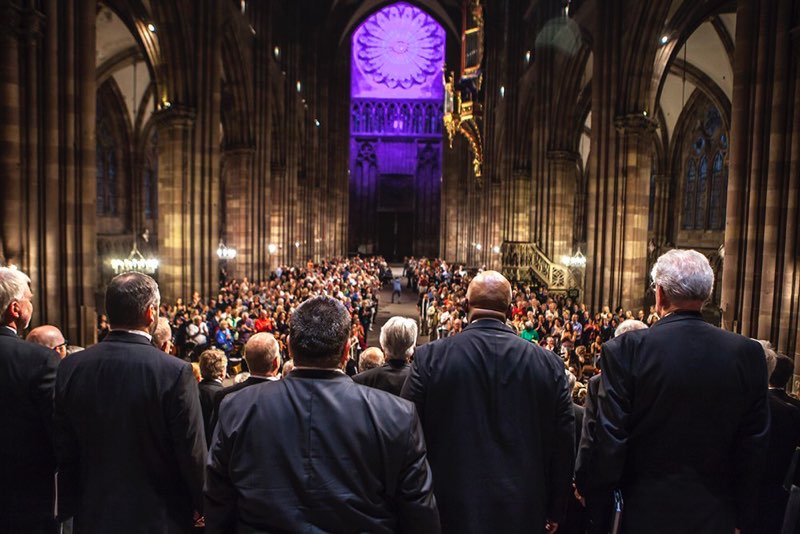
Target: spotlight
664 39
151 27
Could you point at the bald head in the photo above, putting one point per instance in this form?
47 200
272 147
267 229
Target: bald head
489 294
162 337
262 354
48 336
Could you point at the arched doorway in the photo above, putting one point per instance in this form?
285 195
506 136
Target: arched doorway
396 133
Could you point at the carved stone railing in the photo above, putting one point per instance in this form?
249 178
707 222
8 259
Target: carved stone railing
524 261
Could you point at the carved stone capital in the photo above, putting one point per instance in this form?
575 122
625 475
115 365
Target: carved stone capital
175 116
10 18
635 124
32 24
563 155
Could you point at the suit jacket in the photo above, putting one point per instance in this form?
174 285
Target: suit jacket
499 425
388 377
784 437
316 452
208 389
129 436
682 426
224 392
27 469
781 395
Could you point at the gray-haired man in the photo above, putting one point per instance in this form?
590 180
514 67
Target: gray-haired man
27 374
398 339
686 449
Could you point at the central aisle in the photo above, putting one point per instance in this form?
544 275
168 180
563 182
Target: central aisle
386 310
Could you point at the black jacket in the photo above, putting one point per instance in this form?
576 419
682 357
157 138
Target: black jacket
316 452
208 389
224 392
27 468
682 423
129 436
388 377
499 425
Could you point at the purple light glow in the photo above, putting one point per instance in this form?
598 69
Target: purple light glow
398 52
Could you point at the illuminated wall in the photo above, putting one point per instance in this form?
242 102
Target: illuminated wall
396 132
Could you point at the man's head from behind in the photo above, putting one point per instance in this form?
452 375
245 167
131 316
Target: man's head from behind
398 338
262 354
683 280
213 364
319 332
162 337
370 359
784 367
16 307
132 301
488 296
49 336
629 325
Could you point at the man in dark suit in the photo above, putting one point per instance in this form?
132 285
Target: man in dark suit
784 438
784 368
498 421
213 365
27 375
682 413
398 339
263 358
129 432
316 452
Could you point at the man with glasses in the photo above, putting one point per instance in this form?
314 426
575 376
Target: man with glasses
51 337
27 374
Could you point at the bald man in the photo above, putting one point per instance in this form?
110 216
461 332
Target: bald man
51 337
498 421
263 358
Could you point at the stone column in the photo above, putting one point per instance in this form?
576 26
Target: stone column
176 234
240 229
661 209
563 188
760 284
10 132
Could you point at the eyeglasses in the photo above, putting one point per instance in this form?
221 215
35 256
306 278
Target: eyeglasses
65 344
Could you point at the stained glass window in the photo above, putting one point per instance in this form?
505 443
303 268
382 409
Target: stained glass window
717 208
704 188
689 196
106 166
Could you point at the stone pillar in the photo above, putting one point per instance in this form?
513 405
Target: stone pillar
660 230
760 284
563 188
176 234
619 201
10 131
241 230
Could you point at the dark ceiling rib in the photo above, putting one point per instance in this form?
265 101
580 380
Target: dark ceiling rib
121 59
724 36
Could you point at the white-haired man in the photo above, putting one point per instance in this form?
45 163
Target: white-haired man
27 375
398 339
682 413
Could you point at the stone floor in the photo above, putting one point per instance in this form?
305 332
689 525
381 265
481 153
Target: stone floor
386 310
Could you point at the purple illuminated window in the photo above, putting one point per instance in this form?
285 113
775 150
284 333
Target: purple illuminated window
398 52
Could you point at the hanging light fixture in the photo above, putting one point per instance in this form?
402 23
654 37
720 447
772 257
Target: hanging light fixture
135 262
224 252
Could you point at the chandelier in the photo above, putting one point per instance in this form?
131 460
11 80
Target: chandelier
135 262
577 260
225 252
463 112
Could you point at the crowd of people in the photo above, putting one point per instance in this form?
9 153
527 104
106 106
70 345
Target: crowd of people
525 409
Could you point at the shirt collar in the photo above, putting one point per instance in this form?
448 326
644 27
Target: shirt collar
137 332
11 328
